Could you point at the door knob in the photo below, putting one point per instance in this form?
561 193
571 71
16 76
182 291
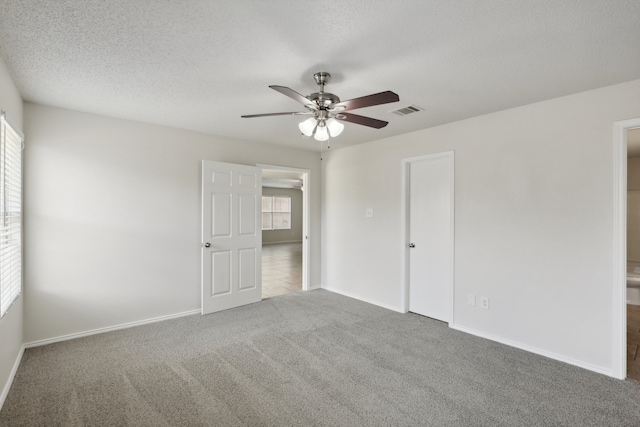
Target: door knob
207 245
412 245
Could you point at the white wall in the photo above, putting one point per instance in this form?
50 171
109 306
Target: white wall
533 221
11 325
295 233
113 218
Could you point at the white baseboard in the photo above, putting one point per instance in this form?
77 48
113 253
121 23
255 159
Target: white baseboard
535 350
347 294
109 329
521 346
313 287
14 370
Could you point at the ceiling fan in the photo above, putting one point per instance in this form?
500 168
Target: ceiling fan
327 110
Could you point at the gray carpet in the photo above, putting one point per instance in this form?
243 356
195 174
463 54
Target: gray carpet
307 359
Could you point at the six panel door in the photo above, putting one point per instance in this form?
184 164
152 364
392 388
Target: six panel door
231 235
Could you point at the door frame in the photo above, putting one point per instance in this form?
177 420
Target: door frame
619 350
405 212
306 204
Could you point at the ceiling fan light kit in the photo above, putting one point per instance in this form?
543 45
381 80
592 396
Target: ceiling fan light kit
335 127
319 129
322 134
308 126
328 111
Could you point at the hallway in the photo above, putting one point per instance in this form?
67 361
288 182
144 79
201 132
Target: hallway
281 269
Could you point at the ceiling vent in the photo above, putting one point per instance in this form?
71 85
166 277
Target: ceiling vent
410 109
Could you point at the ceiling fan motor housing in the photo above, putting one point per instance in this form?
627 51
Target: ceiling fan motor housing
324 99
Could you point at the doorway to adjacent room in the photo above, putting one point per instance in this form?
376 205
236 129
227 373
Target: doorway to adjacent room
285 237
625 333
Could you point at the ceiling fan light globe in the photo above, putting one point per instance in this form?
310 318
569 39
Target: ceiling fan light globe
321 133
307 126
335 127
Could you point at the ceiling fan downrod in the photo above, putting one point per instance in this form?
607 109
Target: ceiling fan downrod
322 98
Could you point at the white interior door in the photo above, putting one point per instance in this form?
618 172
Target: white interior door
431 236
231 235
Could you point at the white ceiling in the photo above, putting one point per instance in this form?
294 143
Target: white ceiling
281 179
199 65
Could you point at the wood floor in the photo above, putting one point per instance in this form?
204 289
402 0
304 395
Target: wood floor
633 341
281 269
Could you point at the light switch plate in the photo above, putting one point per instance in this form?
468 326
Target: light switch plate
369 213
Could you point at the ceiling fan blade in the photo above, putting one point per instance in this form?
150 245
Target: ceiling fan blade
295 96
367 101
294 113
362 120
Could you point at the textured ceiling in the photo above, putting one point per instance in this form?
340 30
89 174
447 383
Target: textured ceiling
199 65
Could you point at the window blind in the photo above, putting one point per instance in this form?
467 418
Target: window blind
11 141
276 213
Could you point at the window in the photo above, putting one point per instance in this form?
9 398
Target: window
276 213
11 211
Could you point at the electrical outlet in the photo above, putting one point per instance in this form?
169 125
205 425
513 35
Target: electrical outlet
471 300
369 213
484 303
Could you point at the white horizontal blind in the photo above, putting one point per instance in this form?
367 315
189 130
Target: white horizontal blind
281 219
11 210
276 213
267 212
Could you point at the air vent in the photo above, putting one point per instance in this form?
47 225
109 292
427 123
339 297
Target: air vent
410 109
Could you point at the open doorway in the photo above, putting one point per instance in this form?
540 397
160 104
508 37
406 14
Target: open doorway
633 254
622 141
285 201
